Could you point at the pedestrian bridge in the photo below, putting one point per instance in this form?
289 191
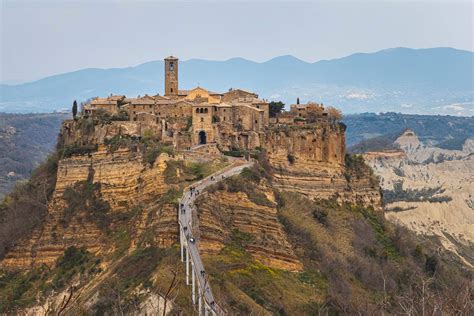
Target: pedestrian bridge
196 276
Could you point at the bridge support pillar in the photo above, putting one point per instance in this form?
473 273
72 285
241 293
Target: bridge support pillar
193 283
199 301
187 266
181 242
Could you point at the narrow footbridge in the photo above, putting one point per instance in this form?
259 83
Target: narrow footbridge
201 290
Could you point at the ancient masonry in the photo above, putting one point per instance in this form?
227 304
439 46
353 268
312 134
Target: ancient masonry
236 119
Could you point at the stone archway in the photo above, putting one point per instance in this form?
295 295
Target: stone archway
202 138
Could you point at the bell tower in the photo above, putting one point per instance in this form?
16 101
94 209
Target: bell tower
171 76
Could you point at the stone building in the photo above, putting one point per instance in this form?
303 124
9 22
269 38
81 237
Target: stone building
198 113
236 119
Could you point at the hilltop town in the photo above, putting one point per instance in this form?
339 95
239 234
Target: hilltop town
236 119
198 202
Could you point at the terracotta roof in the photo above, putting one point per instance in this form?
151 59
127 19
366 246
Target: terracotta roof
183 92
142 101
116 97
248 106
160 97
214 93
164 102
103 102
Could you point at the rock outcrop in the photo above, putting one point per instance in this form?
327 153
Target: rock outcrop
222 213
429 190
312 162
125 182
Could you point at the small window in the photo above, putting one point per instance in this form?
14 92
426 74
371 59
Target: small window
256 122
202 119
206 110
224 118
197 110
258 106
171 90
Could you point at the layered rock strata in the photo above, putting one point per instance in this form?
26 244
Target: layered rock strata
222 213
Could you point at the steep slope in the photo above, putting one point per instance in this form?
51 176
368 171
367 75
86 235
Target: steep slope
274 240
430 191
350 260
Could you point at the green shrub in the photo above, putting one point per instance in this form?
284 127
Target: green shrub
122 115
234 153
102 116
152 151
86 196
76 149
118 141
291 159
321 214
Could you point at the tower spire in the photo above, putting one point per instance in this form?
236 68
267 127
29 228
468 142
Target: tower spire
171 76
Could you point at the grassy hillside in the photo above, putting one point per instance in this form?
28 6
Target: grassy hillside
355 262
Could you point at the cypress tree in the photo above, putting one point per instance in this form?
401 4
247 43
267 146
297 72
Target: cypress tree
74 109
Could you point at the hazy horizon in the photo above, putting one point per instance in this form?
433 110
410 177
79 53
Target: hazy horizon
44 38
224 59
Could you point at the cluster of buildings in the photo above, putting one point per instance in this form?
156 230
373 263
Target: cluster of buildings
197 116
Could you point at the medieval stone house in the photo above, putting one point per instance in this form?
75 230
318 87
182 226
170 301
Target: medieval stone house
210 113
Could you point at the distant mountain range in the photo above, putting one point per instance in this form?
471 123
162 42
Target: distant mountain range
424 81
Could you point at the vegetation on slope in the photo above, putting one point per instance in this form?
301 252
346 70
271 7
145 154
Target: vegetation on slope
22 289
371 265
354 262
26 206
25 141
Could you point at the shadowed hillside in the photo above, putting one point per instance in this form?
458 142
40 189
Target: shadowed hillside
25 141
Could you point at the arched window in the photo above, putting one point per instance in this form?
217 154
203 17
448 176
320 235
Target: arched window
197 110
201 110
205 110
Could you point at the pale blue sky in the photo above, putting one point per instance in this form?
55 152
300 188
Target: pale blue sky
41 38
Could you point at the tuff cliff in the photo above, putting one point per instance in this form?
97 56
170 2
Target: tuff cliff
312 162
295 233
123 182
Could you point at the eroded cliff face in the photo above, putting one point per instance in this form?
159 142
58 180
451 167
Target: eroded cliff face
430 191
223 214
124 182
312 162
117 204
